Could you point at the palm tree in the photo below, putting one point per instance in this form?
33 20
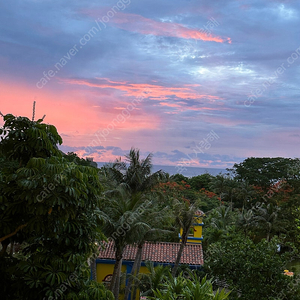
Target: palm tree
157 221
220 221
244 193
245 220
134 181
222 217
266 218
136 172
185 214
123 214
218 185
230 190
153 279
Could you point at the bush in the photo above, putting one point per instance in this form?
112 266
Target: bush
255 270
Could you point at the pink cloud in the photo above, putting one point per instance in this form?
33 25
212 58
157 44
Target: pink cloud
107 155
66 109
153 91
76 115
140 24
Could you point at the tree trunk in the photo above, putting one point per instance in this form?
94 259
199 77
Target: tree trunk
115 281
135 269
93 267
138 270
12 245
268 237
182 245
269 231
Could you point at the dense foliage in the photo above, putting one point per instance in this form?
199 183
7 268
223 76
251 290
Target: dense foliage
253 271
263 171
56 208
159 284
50 217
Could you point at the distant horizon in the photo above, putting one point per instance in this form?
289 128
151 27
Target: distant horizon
105 162
185 171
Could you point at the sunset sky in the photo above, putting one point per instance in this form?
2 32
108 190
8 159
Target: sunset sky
164 76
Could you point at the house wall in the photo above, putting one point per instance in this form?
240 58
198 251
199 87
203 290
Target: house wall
196 237
106 267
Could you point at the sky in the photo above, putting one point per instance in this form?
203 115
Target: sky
195 83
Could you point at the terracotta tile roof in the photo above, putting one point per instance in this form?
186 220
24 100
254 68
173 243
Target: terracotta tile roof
158 252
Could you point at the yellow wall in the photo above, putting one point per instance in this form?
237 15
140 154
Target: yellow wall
197 231
198 219
144 270
105 269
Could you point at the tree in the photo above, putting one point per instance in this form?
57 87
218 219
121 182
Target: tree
45 205
135 172
134 181
172 190
256 270
208 200
244 194
267 220
219 224
22 139
73 157
290 215
230 190
245 221
218 185
179 178
221 217
153 279
189 287
264 171
184 217
200 181
123 215
157 221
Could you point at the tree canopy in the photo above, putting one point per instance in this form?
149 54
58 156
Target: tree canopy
263 171
49 214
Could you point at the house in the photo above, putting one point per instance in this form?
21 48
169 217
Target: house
162 253
195 235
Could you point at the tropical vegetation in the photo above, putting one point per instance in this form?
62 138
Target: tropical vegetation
57 209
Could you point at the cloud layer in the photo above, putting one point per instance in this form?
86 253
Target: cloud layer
157 75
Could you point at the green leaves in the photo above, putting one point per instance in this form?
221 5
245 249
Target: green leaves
54 276
97 291
23 139
189 287
58 201
263 171
254 269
